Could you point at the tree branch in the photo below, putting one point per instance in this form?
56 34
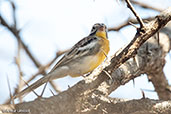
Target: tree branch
15 33
149 56
146 6
100 105
13 29
135 14
126 23
41 70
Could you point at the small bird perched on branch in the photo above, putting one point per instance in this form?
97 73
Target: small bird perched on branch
82 58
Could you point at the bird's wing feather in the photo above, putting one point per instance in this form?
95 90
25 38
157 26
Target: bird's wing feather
78 50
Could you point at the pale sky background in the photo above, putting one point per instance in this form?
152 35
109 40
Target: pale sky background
52 25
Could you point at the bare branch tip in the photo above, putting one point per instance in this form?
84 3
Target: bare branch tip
52 92
129 5
11 97
29 86
44 89
143 94
133 25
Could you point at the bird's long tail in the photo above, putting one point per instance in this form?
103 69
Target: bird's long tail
34 86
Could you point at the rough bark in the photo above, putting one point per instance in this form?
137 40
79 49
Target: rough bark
99 105
156 74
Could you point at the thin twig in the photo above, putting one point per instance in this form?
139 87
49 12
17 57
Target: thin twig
148 90
14 14
44 89
31 90
17 61
41 70
146 6
52 92
18 37
143 94
136 15
11 97
126 23
13 29
15 32
133 25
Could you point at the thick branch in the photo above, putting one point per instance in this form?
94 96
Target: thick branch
104 105
150 29
148 58
100 105
155 73
160 84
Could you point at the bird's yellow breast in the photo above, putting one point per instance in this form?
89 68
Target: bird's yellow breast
102 34
101 55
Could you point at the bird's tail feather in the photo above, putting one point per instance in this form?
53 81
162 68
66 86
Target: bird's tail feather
33 86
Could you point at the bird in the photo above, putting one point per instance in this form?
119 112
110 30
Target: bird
81 59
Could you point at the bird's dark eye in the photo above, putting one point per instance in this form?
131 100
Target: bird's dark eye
93 28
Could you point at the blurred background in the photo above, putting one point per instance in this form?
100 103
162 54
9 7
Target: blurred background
49 26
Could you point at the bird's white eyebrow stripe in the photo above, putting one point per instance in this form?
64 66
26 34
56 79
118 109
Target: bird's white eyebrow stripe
89 45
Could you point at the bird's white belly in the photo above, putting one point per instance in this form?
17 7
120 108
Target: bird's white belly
83 66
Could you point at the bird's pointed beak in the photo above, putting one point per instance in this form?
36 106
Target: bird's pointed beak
102 28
